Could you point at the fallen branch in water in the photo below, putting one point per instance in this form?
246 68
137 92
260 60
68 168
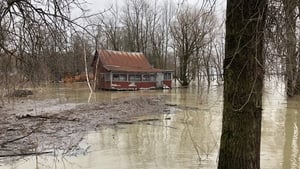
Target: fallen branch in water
171 105
125 122
20 138
16 139
47 117
137 121
26 154
155 125
145 122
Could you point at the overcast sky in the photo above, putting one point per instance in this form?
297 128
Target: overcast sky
100 5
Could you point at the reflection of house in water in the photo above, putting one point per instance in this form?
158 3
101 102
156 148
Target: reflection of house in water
115 70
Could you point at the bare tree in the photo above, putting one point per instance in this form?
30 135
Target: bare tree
141 26
36 36
111 27
189 32
274 38
218 59
168 10
134 15
290 44
282 42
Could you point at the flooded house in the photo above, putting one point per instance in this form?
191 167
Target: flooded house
116 70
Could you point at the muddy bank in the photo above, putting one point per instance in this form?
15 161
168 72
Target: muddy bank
33 131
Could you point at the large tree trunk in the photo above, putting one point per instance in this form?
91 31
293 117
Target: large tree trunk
243 83
290 39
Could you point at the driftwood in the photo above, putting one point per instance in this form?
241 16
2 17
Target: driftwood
20 138
146 122
155 125
21 93
25 154
126 122
16 139
137 121
47 117
171 105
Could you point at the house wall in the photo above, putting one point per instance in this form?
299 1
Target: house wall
131 85
126 85
168 83
146 85
103 83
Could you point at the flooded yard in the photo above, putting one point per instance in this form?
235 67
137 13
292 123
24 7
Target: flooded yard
183 133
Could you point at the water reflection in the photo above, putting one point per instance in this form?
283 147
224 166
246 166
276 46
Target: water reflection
188 138
274 111
165 144
291 156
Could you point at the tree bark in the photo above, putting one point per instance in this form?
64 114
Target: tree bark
243 84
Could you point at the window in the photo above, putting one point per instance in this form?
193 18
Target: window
167 76
135 78
146 78
119 77
152 77
115 77
123 77
149 78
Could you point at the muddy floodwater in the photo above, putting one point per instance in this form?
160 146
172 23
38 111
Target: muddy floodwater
185 137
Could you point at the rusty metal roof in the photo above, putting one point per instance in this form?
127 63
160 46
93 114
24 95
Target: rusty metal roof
125 61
